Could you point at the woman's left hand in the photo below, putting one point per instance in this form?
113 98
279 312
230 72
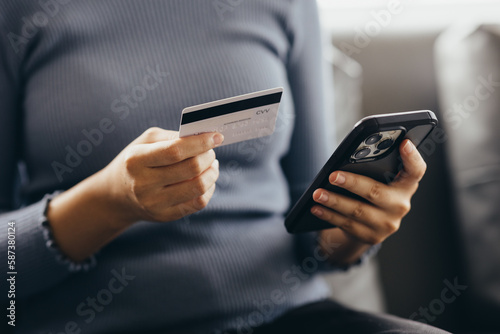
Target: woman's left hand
370 223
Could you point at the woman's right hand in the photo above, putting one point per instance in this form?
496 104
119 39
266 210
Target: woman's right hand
161 177
158 177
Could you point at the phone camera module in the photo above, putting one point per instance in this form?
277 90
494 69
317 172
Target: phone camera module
385 144
373 139
362 153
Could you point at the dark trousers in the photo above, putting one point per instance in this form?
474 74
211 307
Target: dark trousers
330 317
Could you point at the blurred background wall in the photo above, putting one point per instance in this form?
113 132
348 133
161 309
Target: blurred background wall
443 266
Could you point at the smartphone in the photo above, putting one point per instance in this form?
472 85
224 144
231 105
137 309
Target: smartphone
370 149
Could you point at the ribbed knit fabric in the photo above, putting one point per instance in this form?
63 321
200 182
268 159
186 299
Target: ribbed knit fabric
79 80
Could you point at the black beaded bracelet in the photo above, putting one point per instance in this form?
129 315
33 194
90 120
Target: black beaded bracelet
51 244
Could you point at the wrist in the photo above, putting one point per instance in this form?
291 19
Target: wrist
111 202
349 249
84 218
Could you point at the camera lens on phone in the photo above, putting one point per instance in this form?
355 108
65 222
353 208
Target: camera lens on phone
385 144
373 139
360 154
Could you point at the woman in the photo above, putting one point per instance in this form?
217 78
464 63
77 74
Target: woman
82 85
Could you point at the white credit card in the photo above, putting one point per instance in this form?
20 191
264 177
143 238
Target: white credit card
238 118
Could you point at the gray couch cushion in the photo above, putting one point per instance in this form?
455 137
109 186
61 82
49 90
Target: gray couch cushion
468 72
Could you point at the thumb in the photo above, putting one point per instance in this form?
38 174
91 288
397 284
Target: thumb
414 166
155 134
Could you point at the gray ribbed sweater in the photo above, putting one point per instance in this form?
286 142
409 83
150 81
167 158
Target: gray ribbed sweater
79 80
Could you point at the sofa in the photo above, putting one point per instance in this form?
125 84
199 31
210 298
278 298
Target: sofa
443 266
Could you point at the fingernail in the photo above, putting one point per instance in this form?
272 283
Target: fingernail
323 198
218 139
408 148
216 163
340 179
317 212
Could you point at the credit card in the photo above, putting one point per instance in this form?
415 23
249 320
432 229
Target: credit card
238 118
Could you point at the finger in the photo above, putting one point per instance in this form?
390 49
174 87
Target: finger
414 166
184 209
349 225
202 201
373 191
181 171
185 191
365 213
169 152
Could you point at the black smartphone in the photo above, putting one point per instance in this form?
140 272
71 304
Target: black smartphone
370 149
